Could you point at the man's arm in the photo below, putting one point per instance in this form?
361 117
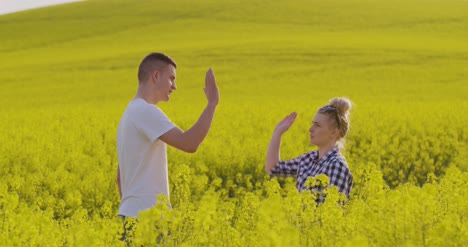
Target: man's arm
189 140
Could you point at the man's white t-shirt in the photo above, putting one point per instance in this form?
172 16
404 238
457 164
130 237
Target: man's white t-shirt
142 156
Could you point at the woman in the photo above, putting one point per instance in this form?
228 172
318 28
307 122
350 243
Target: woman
329 127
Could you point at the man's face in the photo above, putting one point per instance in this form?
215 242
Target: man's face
165 82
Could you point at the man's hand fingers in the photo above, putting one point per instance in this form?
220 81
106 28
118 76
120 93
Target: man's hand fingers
210 78
211 89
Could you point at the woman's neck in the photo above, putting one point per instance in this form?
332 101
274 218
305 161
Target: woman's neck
324 149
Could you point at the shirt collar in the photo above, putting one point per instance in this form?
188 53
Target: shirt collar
330 154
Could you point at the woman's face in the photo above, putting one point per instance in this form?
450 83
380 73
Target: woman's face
322 132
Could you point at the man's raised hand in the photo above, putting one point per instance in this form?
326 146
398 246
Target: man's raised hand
211 89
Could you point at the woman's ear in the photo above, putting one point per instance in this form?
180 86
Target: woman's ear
335 133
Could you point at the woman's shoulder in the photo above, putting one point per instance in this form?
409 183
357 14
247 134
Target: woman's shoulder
339 160
313 154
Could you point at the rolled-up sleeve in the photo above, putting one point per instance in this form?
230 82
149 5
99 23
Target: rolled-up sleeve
288 167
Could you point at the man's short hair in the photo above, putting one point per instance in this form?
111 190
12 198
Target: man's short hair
152 61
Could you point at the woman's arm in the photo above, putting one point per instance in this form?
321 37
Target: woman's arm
339 175
273 153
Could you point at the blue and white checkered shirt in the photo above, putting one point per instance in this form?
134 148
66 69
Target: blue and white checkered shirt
333 164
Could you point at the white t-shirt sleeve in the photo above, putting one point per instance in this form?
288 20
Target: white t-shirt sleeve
152 122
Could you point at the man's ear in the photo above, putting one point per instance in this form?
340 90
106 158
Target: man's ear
156 74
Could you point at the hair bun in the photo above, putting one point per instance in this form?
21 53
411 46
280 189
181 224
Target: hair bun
343 105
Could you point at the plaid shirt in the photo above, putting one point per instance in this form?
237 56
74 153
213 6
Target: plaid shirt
333 164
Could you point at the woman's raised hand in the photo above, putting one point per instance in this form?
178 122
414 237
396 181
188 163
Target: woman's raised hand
284 124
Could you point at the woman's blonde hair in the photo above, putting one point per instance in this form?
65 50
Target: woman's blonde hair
338 113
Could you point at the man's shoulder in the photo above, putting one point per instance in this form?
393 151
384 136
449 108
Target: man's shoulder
136 104
139 106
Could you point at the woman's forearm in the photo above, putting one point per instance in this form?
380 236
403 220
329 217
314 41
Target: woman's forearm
273 153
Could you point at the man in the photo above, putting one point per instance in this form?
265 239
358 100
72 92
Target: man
144 130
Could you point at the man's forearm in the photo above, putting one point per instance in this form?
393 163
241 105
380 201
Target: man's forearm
200 129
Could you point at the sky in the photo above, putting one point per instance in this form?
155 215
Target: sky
11 6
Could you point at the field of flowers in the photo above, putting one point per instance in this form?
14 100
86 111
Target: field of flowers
67 73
